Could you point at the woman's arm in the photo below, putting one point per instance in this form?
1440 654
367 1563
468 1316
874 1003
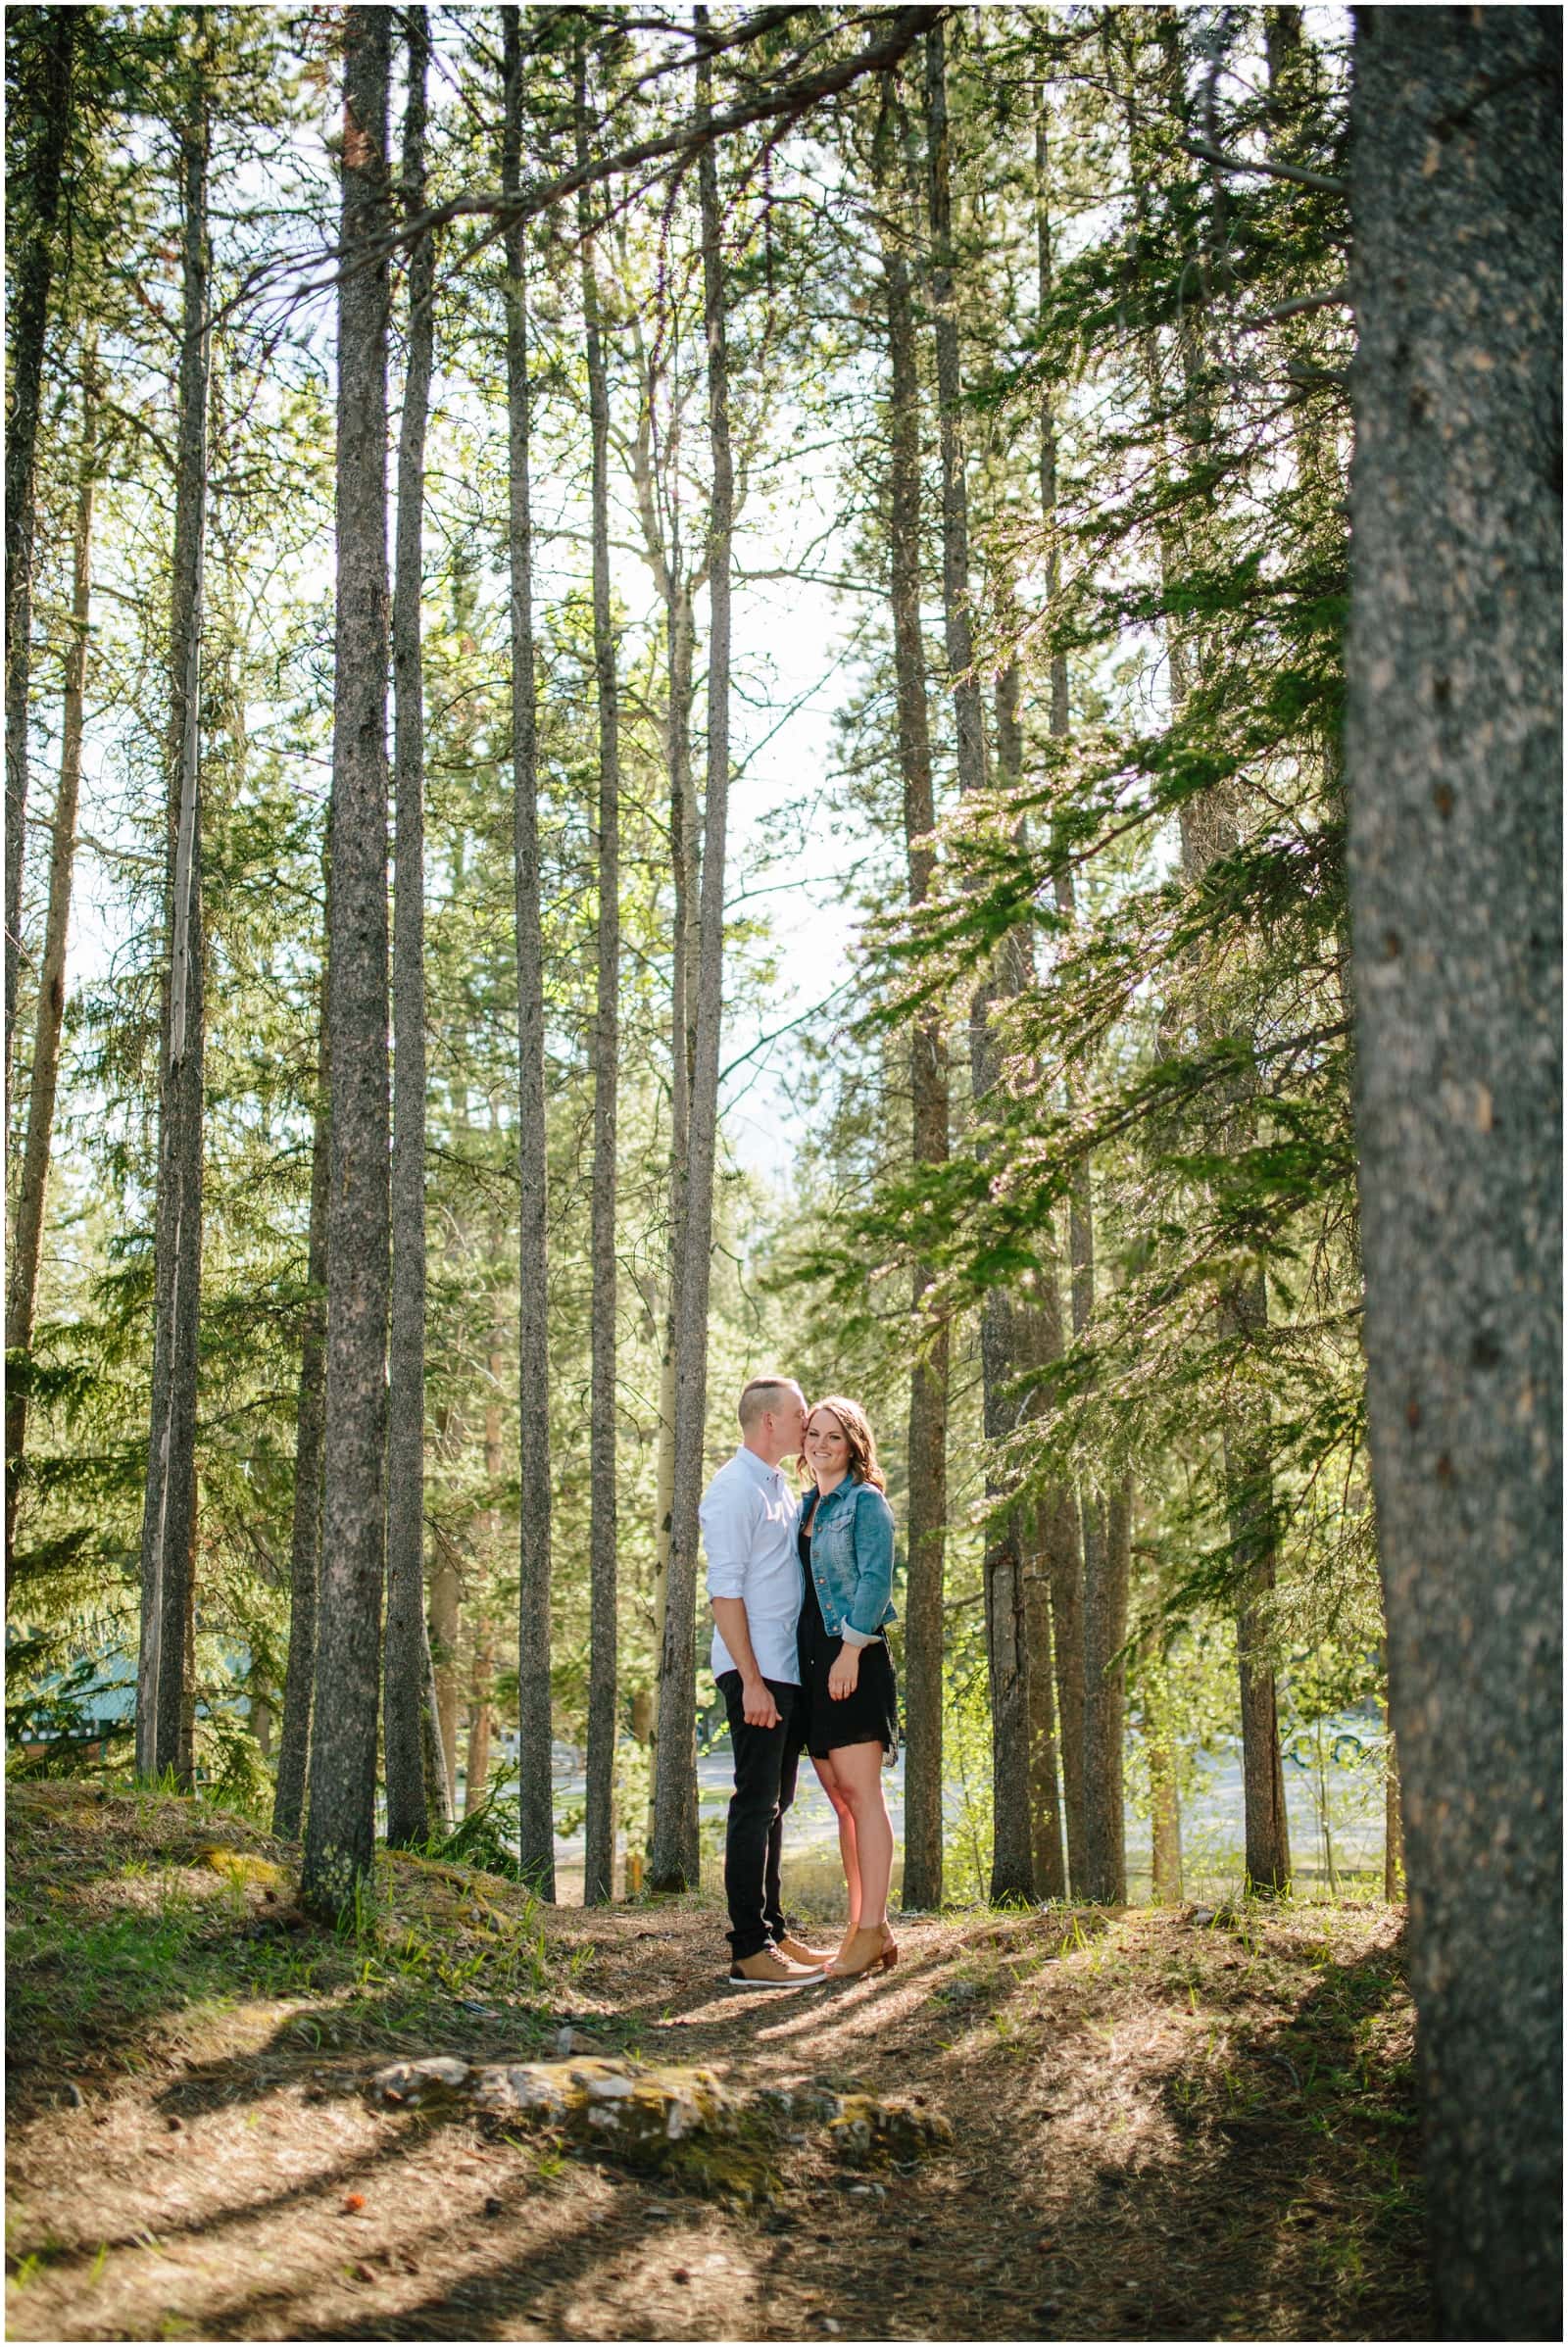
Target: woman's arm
873 1567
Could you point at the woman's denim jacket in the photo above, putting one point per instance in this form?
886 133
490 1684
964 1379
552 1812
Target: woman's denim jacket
851 1560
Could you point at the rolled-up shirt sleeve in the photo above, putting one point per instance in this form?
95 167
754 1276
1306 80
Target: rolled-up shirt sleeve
873 1567
728 1520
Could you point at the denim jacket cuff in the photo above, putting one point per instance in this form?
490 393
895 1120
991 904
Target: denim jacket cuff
859 1637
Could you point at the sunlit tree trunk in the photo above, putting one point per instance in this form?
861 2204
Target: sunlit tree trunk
22 1296
1012 1858
406 1661
340 1828
310 1426
674 1857
1006 1337
1044 1533
169 1515
1061 1535
657 492
1104 1696
928 1082
600 1821
1208 831
536 1814
51 35
1454 755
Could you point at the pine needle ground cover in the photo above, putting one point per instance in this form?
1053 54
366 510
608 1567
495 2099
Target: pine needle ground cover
1164 2127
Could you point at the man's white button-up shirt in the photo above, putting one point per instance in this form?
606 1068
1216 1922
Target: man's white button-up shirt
747 1517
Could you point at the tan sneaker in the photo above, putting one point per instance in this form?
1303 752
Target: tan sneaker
769 1969
798 1952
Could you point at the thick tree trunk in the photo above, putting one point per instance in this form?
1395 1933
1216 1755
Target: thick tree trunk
1012 1858
1454 766
310 1426
681 632
408 1666
535 1802
599 1862
964 684
22 1296
1104 1695
53 45
1078 1546
1048 1531
1004 1340
674 1862
1060 1534
1063 1540
1208 831
928 1082
340 1829
168 1518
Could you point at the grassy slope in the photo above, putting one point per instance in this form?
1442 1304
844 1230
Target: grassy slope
1164 2131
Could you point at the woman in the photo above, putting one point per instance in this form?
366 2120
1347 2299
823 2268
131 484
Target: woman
845 1535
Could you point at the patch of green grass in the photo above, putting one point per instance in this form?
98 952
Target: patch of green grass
96 1978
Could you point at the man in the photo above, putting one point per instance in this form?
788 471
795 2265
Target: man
755 1588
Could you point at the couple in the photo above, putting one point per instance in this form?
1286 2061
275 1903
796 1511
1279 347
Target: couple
800 1589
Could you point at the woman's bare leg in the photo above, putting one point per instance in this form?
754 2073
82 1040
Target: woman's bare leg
859 1771
848 1851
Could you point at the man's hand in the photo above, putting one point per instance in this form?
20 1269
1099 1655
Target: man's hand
845 1676
759 1705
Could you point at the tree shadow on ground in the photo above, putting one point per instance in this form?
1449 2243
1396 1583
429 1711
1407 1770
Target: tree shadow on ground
1296 2181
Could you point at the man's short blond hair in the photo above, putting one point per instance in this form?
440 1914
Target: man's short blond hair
763 1394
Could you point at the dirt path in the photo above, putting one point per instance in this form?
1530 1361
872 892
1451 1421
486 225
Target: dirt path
1165 2129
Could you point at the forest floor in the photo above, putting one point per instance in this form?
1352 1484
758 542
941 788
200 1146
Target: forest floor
1165 2127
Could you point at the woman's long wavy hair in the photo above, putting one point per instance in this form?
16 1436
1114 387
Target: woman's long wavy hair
863 1468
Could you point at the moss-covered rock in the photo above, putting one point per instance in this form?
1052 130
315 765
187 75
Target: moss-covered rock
866 2127
658 2114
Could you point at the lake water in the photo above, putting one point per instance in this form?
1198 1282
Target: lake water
1212 1817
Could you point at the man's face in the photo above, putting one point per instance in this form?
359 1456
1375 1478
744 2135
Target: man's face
786 1425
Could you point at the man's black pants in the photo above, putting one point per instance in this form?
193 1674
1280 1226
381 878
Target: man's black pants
765 1763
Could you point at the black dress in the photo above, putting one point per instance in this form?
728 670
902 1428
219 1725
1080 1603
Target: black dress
871 1715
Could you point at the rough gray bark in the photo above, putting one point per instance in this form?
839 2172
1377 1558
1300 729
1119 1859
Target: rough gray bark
663 545
1078 1546
1047 1526
169 1515
1454 761
1209 830
340 1829
599 1861
53 43
658 507
963 682
1004 1341
407 1659
674 1859
1104 1696
536 1814
22 1294
1012 1859
927 1532
1060 1534
310 1426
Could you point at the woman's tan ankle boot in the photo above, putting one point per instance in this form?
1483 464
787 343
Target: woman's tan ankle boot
866 1949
